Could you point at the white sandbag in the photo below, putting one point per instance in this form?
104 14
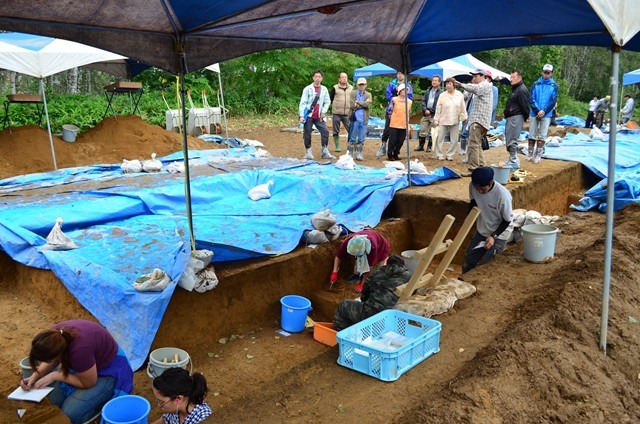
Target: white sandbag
345 162
315 237
596 134
57 240
395 174
261 153
416 167
203 255
152 165
175 167
198 260
323 220
261 191
394 164
254 143
206 280
131 166
157 281
334 232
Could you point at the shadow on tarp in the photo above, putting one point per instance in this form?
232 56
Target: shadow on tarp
594 154
128 224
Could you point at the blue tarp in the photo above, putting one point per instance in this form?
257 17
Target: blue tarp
594 155
128 224
632 77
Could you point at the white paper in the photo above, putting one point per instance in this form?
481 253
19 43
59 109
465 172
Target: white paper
481 244
33 395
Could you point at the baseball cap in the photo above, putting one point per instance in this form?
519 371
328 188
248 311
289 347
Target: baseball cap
547 68
482 176
400 88
488 74
361 81
478 71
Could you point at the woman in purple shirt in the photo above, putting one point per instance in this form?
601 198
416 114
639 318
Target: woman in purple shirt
83 363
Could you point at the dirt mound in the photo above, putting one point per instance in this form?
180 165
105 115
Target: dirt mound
27 149
546 366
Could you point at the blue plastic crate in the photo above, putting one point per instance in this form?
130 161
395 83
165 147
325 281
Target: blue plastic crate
424 335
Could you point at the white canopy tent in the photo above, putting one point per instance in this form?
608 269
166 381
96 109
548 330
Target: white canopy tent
41 57
216 68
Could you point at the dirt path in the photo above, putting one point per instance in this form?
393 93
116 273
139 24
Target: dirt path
523 349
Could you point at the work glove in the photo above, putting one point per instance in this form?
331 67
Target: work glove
334 277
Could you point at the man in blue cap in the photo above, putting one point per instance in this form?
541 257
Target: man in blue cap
493 228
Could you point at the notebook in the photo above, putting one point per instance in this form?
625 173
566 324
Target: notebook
33 395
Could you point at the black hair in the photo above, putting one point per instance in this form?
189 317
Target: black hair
318 71
176 381
395 260
517 72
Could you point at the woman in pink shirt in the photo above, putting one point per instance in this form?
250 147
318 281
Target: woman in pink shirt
450 111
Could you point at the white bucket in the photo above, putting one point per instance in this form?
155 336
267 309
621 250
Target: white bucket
157 366
25 368
411 259
69 133
539 242
501 174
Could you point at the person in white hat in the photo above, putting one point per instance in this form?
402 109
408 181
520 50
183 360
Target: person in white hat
543 98
359 117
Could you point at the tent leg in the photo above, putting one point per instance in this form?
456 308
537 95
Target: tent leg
224 111
405 71
46 114
611 177
185 152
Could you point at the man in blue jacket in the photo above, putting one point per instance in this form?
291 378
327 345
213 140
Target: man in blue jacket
544 95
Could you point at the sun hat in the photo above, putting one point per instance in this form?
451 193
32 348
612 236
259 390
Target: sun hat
482 176
400 88
361 81
547 68
360 246
478 71
488 74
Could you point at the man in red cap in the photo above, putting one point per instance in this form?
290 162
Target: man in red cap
493 227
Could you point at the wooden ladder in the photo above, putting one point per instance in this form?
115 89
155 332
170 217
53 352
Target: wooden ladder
419 279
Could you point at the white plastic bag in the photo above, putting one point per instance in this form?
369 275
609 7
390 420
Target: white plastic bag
260 191
206 280
416 167
346 162
394 164
57 240
596 134
175 167
323 220
157 281
152 165
131 166
315 237
334 232
198 260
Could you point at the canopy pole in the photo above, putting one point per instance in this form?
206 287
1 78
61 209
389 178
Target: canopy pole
405 71
46 114
224 110
611 178
185 152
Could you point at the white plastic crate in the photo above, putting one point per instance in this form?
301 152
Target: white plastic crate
388 365
172 120
203 118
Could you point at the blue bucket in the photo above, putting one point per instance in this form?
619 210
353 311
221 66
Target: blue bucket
128 409
294 313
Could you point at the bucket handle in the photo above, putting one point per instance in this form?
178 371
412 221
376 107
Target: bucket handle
152 374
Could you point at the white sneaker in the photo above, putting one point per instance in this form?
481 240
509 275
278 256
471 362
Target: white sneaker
326 155
309 154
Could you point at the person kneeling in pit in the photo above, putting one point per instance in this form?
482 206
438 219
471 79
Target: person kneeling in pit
378 294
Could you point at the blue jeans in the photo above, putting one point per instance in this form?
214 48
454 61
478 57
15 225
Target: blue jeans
357 131
539 127
82 404
479 256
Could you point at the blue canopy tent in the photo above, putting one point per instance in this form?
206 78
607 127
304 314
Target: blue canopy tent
185 35
445 69
373 70
632 77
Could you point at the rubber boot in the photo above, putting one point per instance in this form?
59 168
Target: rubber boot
420 147
382 151
532 149
513 161
359 152
463 146
325 153
539 149
429 145
309 154
336 140
351 148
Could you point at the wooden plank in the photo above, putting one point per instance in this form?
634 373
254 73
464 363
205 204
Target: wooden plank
17 98
124 85
428 256
424 280
453 249
440 249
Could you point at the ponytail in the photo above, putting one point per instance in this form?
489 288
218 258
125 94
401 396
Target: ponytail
49 345
175 382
